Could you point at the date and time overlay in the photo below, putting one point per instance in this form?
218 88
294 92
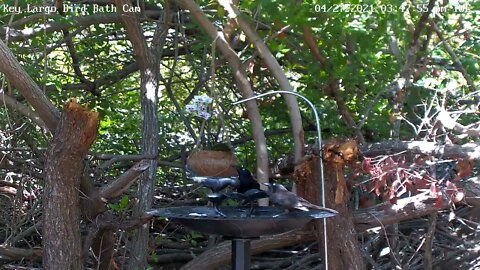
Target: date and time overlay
388 8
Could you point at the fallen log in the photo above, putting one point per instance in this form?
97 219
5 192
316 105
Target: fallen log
468 150
220 255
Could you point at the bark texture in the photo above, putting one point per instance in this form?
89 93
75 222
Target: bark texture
17 76
148 63
75 134
343 247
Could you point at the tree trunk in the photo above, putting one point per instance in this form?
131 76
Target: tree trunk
343 248
63 172
148 63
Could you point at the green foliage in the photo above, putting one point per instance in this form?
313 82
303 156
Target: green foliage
355 45
193 238
120 206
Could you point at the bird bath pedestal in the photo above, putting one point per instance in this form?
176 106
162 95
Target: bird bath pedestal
237 226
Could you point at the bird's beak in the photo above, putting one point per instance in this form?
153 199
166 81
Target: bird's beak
266 184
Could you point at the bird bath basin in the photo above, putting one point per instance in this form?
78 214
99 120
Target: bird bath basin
264 220
238 226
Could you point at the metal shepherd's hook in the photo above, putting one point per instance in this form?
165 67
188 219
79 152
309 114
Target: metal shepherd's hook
319 142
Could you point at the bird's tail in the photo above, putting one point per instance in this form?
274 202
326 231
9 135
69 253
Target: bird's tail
316 207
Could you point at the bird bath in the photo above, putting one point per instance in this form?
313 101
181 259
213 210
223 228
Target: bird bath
238 226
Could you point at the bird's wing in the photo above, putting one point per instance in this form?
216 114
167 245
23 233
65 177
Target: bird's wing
301 207
310 205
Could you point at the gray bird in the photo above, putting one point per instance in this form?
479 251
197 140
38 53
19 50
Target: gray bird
214 183
216 199
280 196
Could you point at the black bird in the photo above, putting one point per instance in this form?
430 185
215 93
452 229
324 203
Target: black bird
248 189
246 180
280 196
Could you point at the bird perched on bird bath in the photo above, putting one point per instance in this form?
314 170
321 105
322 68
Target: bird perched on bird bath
246 180
215 183
248 188
289 201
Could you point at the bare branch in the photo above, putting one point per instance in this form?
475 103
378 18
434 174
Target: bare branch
274 66
22 109
17 76
448 122
468 150
454 57
242 82
123 182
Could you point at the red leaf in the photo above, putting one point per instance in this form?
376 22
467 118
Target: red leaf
367 165
464 169
421 183
438 202
408 185
433 190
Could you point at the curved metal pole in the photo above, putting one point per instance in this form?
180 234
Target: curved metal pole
319 142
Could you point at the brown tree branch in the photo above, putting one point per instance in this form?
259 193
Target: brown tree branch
405 209
468 150
148 63
276 69
332 89
22 109
448 122
242 83
14 254
17 76
92 88
453 55
124 181
397 88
